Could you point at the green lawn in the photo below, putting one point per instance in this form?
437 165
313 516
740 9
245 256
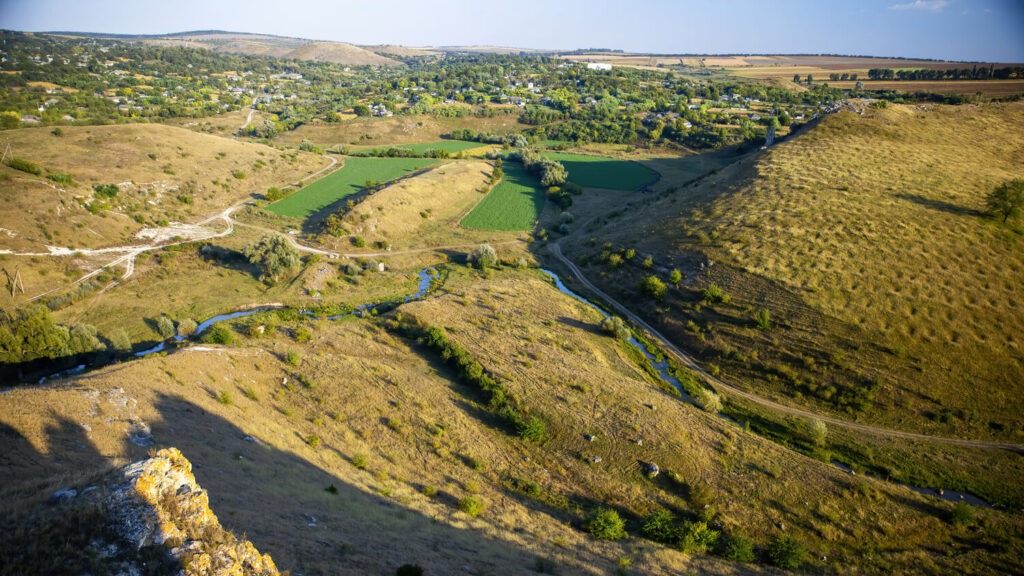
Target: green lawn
604 172
344 182
514 204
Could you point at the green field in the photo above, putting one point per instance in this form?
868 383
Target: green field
344 182
514 204
604 172
450 146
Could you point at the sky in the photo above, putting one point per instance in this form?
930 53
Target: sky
964 30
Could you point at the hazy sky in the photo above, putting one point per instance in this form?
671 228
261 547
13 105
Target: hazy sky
990 30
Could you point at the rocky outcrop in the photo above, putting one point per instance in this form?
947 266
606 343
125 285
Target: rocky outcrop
157 502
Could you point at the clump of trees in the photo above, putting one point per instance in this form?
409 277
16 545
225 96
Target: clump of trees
614 326
273 255
606 524
483 257
31 334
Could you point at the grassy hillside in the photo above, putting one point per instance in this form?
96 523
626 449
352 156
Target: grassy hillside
322 451
892 297
277 46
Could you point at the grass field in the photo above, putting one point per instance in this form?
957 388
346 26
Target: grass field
514 204
348 180
604 172
866 239
450 146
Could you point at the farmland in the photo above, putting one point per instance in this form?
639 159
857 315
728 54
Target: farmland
449 146
348 180
514 204
604 172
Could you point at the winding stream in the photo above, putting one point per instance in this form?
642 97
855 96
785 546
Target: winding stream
662 368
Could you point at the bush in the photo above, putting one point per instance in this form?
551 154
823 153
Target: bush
274 256
787 552
763 318
218 334
186 327
709 401
697 538
61 178
166 327
606 524
472 506
962 514
614 326
313 440
532 428
292 358
106 190
224 397
653 286
817 431
303 334
360 460
737 548
483 257
714 294
660 526
24 166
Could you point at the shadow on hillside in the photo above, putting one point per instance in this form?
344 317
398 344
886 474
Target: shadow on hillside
940 205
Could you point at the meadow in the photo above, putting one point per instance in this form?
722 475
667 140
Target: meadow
514 204
450 146
350 179
604 172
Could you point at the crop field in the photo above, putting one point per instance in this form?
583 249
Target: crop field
514 204
991 88
344 182
604 172
450 146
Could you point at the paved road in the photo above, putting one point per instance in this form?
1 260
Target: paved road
728 389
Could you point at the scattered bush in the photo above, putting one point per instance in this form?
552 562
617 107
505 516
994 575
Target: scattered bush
61 178
273 255
106 190
675 277
165 326
606 524
224 397
472 506
218 334
653 286
763 318
293 358
313 440
817 432
532 428
787 552
429 491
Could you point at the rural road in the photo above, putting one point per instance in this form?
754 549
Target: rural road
728 389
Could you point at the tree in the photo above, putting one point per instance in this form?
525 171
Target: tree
675 277
84 340
165 326
120 342
1007 199
796 78
810 78
660 526
606 524
817 431
483 257
361 110
10 119
273 255
709 401
654 286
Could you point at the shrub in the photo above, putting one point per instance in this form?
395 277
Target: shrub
273 255
224 397
709 401
293 358
763 318
360 460
105 190
24 166
483 257
238 174
697 537
714 294
186 327
472 506
787 552
61 178
614 326
660 526
313 440
120 342
532 428
606 524
817 431
962 514
675 277
273 194
218 334
166 327
653 286
736 548
303 334
358 241
429 491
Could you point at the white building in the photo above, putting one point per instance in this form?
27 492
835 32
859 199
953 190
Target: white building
598 66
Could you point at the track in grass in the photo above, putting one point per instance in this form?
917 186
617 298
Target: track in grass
514 204
604 172
344 182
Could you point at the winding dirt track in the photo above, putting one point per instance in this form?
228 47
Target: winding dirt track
728 389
